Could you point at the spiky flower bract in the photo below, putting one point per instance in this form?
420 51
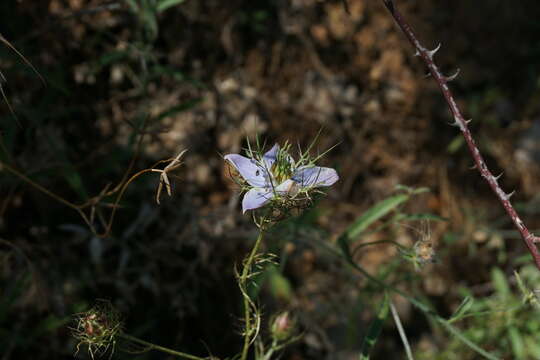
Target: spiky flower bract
97 328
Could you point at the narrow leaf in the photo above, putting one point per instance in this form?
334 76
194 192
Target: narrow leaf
370 216
165 4
500 283
454 331
416 217
462 309
178 108
518 346
280 286
375 329
75 181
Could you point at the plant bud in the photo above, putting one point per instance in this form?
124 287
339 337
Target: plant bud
282 326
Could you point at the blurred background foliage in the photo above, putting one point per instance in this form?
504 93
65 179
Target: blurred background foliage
129 83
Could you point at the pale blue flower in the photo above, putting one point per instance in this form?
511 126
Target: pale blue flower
276 175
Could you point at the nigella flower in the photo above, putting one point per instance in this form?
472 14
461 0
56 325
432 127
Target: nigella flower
276 176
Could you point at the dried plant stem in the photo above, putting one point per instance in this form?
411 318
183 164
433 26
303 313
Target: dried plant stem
93 202
459 121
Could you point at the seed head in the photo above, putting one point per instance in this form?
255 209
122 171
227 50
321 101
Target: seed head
97 328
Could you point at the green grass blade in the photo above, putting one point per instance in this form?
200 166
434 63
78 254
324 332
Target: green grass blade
165 4
454 331
518 345
462 309
178 108
375 329
369 217
500 283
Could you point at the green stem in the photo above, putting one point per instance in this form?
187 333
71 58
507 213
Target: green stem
243 284
160 348
270 352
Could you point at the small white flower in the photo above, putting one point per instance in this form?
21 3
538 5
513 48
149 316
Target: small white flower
276 174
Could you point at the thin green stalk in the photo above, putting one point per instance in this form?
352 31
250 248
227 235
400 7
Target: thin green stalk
160 348
247 302
270 352
401 331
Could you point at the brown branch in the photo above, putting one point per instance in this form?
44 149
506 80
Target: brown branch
459 121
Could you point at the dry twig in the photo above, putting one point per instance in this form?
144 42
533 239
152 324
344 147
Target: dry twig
459 121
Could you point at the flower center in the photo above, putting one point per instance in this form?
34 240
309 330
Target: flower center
281 171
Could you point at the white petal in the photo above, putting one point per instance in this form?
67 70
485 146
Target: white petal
288 187
254 174
256 198
270 156
315 176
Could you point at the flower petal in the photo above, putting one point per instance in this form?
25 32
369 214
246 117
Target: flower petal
254 174
315 176
270 156
256 198
288 187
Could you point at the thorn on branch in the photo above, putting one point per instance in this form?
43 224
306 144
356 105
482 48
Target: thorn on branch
467 121
452 77
509 195
499 176
431 53
427 75
533 238
389 4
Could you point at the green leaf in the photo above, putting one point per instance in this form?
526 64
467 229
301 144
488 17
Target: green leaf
411 190
75 181
457 333
50 324
165 4
518 346
420 216
375 329
462 309
178 108
148 18
280 286
160 70
133 5
69 172
370 216
8 298
532 346
500 283
455 144
112 56
521 285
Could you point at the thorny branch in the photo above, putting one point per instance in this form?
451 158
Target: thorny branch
459 121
